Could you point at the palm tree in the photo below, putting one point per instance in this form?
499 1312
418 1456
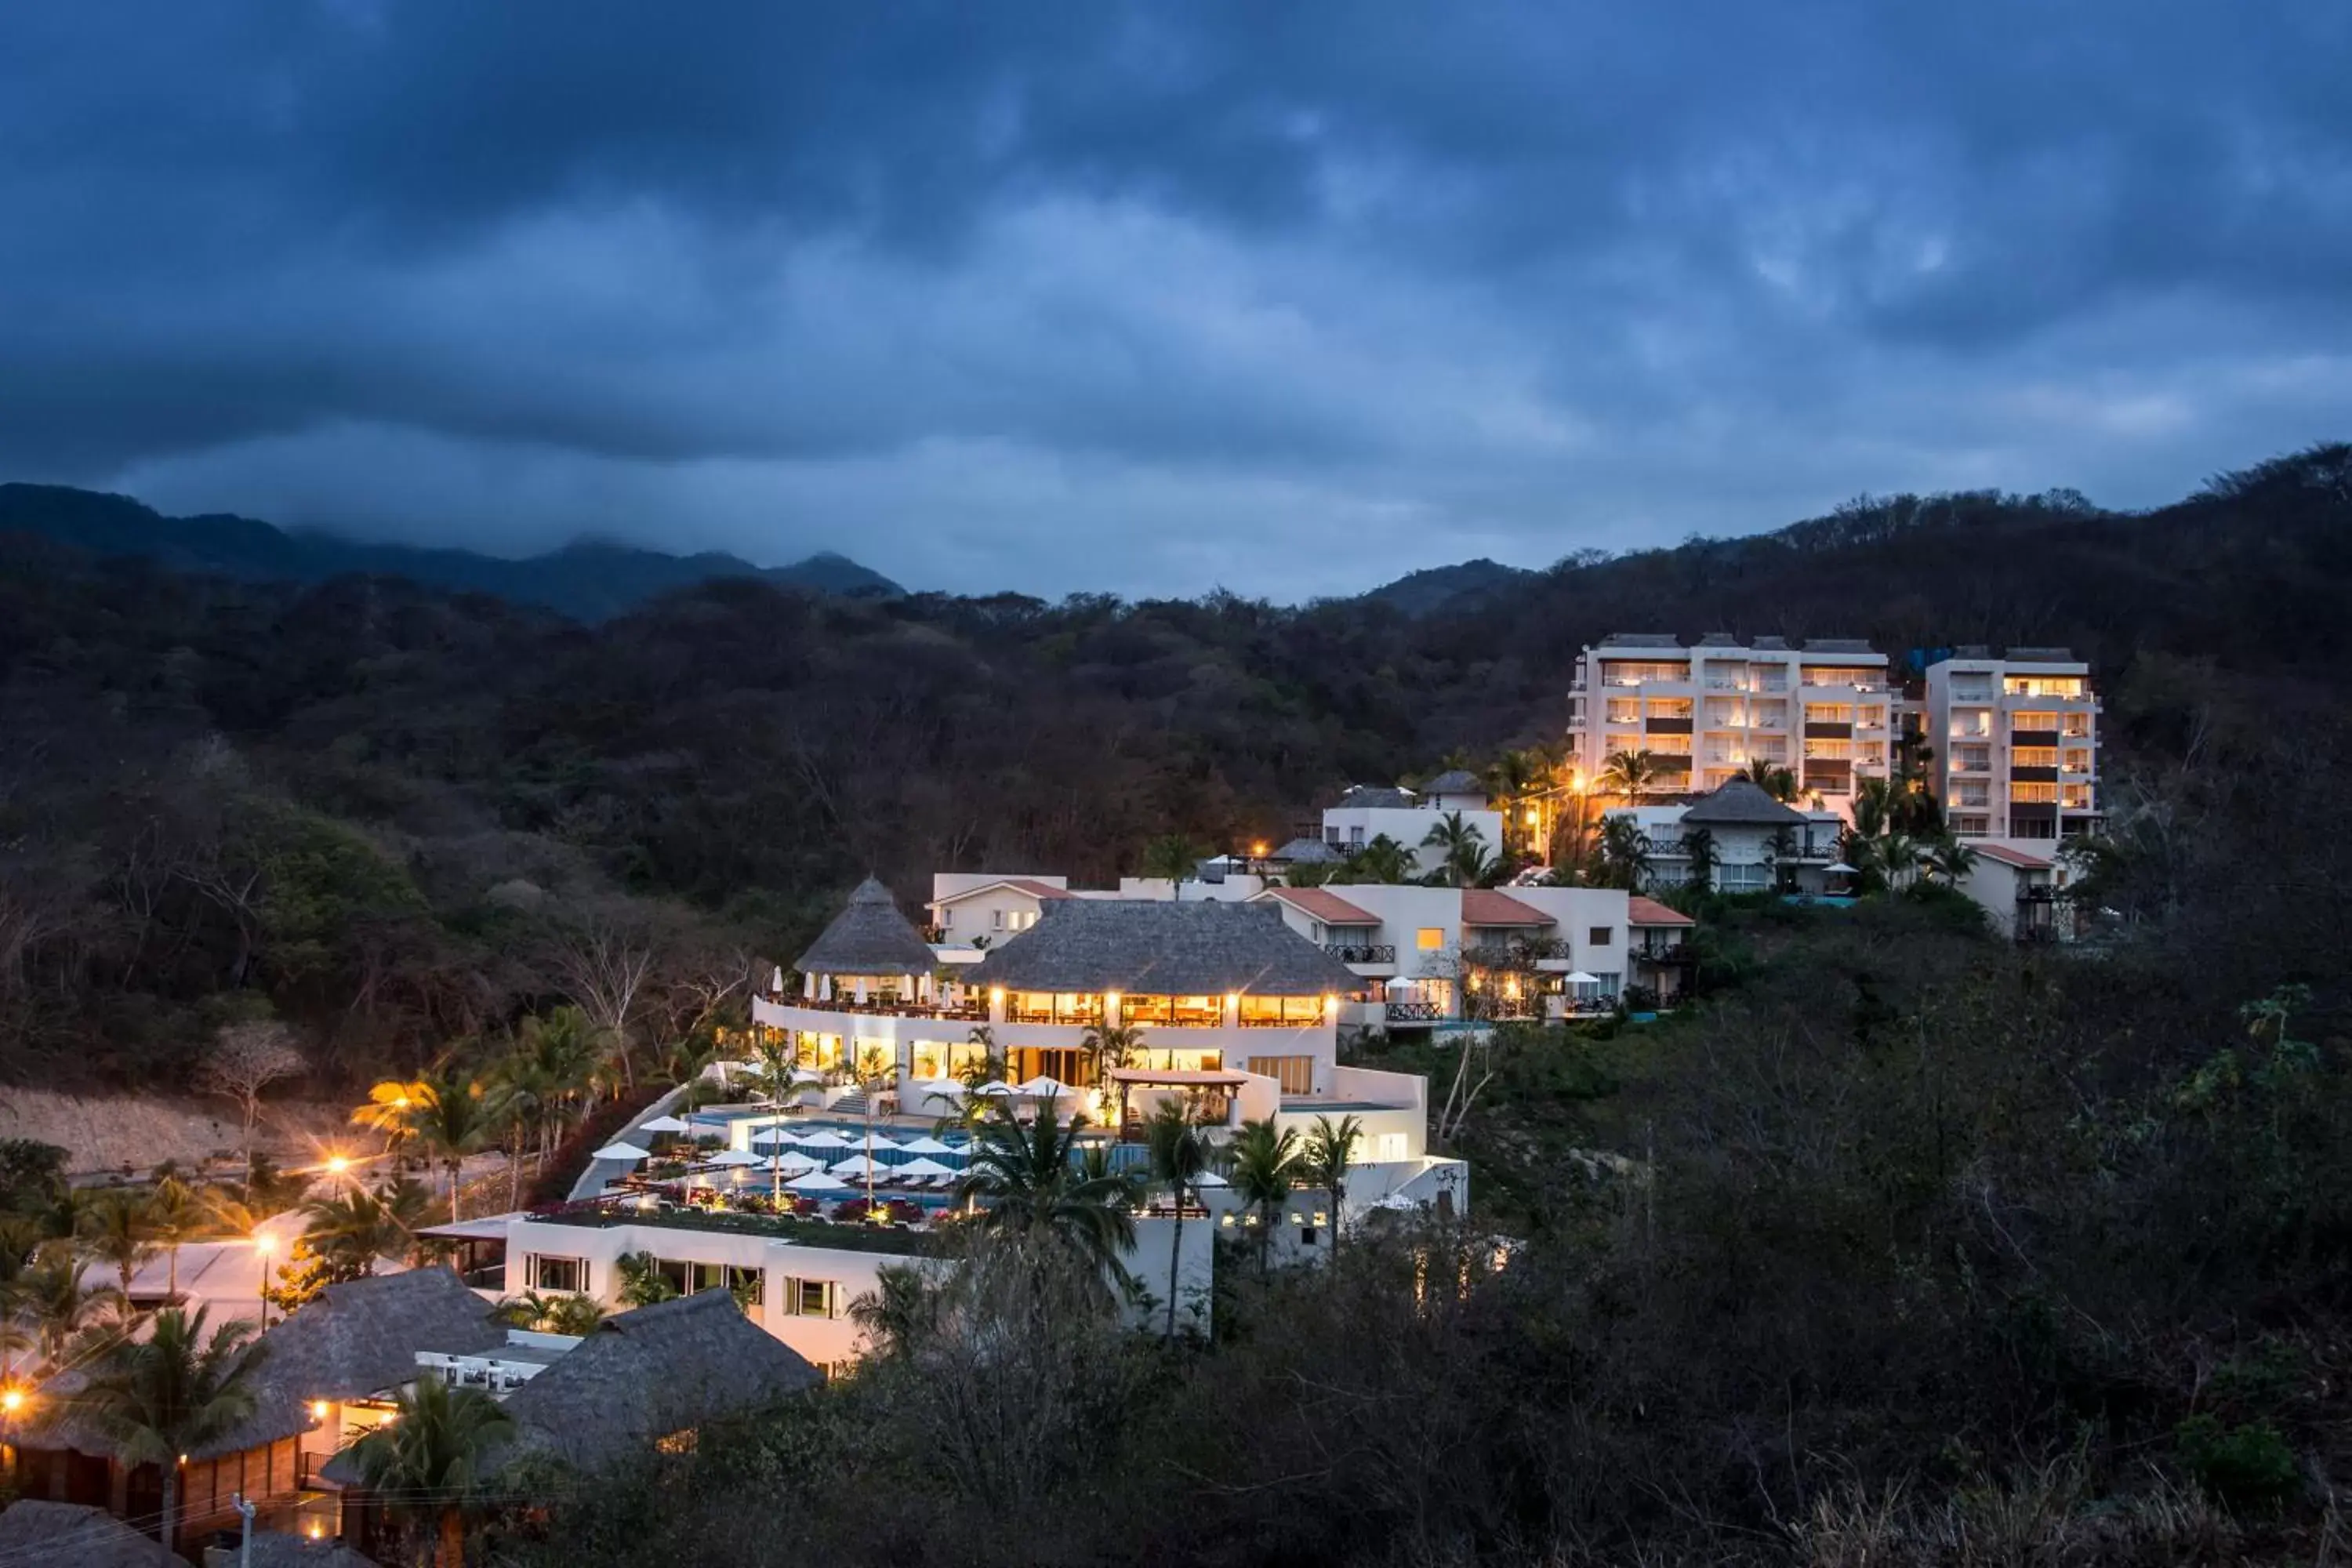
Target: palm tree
1383 860
1624 854
1873 808
643 1284
1173 857
427 1457
1699 845
353 1229
1264 1166
1027 1181
1952 860
1461 845
1774 780
1900 855
116 1230
1109 1045
1323 1162
561 1047
1627 774
174 1216
62 1307
170 1393
1180 1154
454 1118
390 1108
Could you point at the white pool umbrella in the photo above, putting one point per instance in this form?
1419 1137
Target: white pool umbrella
776 1136
923 1167
1209 1179
996 1090
1046 1088
927 1144
737 1157
826 1140
855 1165
666 1125
816 1182
797 1162
623 1151
1840 868
1578 977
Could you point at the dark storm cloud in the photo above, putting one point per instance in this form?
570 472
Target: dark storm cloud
1152 296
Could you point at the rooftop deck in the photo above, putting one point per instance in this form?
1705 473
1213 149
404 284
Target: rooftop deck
841 1237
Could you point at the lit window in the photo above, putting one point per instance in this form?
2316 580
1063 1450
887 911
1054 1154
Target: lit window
1429 939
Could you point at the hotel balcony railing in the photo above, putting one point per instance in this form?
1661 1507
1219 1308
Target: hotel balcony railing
1361 953
1674 954
1414 1011
909 1009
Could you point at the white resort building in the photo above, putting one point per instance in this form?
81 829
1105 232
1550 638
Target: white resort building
1366 811
2016 741
1823 709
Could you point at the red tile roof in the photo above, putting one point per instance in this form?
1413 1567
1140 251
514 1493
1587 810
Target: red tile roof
1641 912
1486 907
1326 906
2017 857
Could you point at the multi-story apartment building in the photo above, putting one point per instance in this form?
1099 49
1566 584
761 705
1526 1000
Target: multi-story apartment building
1823 709
2016 741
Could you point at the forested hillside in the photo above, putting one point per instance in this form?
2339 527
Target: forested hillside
397 815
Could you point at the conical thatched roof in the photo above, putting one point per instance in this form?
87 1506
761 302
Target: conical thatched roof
1741 802
33 1532
645 1374
1146 948
354 1339
869 937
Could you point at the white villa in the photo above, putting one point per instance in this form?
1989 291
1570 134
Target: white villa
1366 811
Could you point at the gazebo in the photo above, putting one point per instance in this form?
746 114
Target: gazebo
870 953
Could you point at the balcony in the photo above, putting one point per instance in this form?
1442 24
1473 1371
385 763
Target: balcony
1664 724
1825 729
2034 740
1414 1011
972 1011
1673 953
1361 953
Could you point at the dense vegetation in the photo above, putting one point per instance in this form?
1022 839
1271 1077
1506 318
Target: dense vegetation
396 817
1903 1246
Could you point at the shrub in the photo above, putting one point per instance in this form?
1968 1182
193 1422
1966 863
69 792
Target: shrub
2248 1465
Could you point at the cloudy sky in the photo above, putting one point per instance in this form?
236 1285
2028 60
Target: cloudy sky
1289 297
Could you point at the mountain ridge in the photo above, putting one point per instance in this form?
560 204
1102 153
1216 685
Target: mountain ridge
590 578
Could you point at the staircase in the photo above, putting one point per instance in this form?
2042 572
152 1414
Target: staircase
850 1106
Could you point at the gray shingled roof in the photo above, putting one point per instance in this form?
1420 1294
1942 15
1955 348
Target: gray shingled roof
645 1374
869 937
55 1533
1454 781
1376 795
1201 949
1741 803
354 1339
1303 851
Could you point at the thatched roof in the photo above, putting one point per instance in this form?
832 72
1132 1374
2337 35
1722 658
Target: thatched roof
355 1338
1303 851
1454 781
1142 947
60 1532
1741 802
1385 795
869 937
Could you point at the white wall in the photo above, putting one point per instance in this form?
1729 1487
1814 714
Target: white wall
1408 825
1405 911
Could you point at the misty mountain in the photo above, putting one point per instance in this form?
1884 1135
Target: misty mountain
589 580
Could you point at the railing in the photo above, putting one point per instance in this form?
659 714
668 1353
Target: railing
1675 954
1414 1012
973 1012
1361 953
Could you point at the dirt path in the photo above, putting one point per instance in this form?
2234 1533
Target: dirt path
106 1133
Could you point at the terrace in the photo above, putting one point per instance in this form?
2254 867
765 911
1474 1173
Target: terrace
847 1236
